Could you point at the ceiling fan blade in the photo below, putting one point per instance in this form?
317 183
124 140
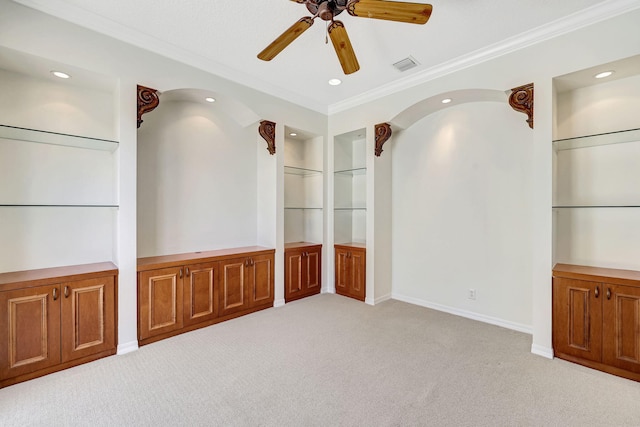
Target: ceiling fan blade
413 13
286 38
343 47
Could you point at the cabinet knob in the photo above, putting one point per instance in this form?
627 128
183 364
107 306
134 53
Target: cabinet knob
181 273
66 292
608 293
187 272
55 294
597 291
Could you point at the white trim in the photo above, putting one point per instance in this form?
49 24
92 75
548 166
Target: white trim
127 347
369 301
278 303
383 298
542 351
78 16
527 329
575 21
583 18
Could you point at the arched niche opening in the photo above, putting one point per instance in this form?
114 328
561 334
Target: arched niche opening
196 174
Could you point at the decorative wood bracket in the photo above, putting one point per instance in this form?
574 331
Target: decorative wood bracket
383 133
267 130
148 100
521 100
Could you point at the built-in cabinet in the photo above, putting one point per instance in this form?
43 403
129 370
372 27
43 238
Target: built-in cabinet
303 213
56 318
596 318
182 292
351 270
303 270
350 213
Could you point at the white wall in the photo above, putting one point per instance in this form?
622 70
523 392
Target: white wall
461 212
197 181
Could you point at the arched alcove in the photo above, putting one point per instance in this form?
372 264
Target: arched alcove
417 111
197 174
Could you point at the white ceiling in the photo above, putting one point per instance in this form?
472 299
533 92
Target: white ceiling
224 37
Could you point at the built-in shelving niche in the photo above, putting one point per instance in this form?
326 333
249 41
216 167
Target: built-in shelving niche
58 164
303 186
596 197
350 183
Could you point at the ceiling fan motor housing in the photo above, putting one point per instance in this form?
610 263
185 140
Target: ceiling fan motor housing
326 9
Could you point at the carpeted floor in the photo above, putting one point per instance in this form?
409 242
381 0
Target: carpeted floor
329 361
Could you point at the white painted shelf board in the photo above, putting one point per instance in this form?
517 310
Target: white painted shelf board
55 138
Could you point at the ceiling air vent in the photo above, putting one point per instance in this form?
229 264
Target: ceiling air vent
406 64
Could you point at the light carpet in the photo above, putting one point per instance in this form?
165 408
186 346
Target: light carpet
329 361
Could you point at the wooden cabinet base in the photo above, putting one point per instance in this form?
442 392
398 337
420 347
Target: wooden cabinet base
350 262
183 292
60 367
55 318
203 324
596 318
302 270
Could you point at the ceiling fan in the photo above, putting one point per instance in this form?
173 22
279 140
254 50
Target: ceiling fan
413 13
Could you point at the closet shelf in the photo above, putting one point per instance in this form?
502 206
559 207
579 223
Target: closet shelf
618 137
353 208
292 170
55 138
352 172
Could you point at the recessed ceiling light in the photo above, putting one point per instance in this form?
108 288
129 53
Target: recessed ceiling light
293 134
446 100
60 74
603 74
209 99
335 82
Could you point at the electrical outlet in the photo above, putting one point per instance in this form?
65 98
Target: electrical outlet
472 294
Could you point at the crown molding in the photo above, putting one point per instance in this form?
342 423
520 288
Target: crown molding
575 21
109 28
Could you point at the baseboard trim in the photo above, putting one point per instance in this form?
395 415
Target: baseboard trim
542 351
278 303
464 313
127 348
383 298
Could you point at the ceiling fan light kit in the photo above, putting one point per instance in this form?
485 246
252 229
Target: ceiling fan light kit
327 10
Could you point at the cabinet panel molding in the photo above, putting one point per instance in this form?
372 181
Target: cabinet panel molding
596 321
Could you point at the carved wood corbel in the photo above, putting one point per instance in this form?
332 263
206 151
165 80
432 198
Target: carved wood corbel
521 100
148 100
267 130
383 133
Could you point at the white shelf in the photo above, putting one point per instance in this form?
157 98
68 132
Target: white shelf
54 138
293 170
301 208
596 207
55 206
619 137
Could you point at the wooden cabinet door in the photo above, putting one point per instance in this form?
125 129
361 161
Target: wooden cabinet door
622 327
233 286
313 273
358 274
160 301
577 318
29 330
294 273
200 293
260 275
343 271
88 317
